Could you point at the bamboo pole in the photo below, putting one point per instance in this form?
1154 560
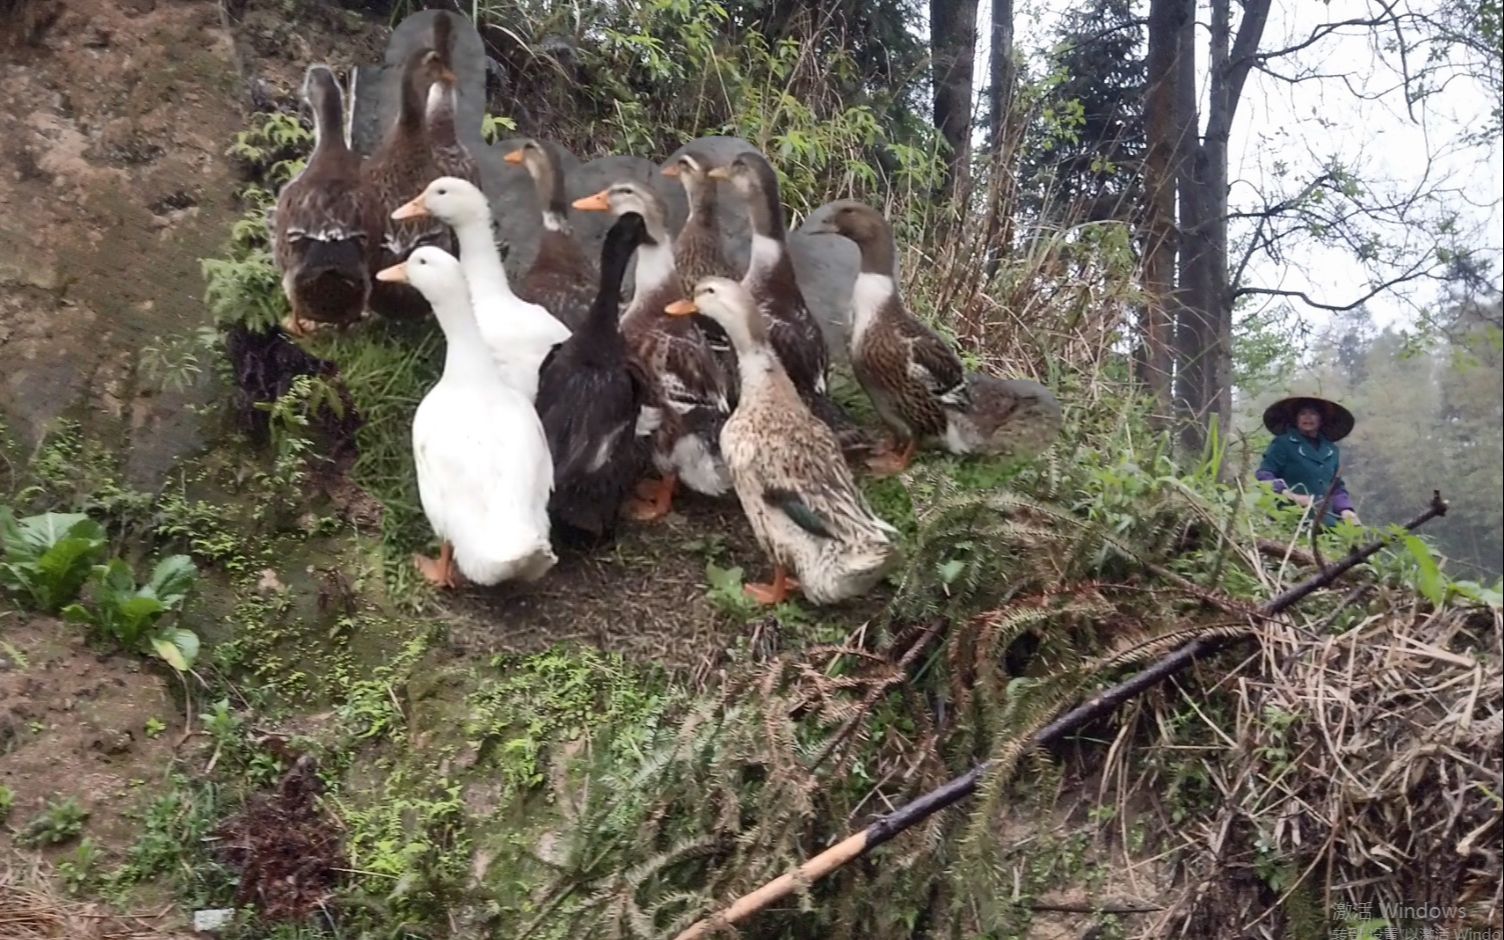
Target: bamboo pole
887 827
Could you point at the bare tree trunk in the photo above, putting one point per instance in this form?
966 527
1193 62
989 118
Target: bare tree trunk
1002 75
1192 327
1155 365
1002 191
1205 290
953 46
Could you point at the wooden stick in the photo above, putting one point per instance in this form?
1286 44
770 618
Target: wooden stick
888 826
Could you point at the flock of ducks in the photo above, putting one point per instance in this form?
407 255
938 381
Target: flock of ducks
554 400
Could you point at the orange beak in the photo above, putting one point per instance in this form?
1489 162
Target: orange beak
414 209
681 308
600 202
448 77
515 157
396 273
671 170
719 173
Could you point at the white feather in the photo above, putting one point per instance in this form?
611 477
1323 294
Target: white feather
869 295
517 333
484 481
698 466
483 463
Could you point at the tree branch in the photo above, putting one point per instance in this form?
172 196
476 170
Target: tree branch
1414 274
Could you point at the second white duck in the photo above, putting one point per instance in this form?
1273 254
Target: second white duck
518 334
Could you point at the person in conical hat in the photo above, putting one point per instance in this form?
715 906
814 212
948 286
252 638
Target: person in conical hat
1303 460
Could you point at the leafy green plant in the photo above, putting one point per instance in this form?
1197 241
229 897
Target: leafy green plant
133 614
7 800
48 557
60 821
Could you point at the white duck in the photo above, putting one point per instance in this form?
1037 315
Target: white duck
518 334
484 469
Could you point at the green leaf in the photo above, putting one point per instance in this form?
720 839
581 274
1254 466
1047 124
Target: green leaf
62 570
949 571
132 615
723 579
1428 579
78 613
172 578
172 650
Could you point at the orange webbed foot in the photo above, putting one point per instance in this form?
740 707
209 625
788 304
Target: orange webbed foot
655 498
441 571
775 593
890 462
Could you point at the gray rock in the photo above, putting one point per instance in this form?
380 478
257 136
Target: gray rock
827 266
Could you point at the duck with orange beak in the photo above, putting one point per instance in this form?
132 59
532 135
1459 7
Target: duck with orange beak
690 396
483 464
787 468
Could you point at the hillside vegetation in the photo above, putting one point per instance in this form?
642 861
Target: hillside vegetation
232 691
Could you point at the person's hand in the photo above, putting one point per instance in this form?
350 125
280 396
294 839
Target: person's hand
1351 517
1301 499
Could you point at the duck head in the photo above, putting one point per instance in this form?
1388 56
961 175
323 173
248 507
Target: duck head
629 196
435 273
730 307
861 224
692 169
449 199
755 180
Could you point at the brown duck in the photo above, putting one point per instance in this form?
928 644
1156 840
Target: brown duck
450 155
697 247
319 226
401 166
562 277
915 379
793 331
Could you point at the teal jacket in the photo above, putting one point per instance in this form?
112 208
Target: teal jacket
1295 462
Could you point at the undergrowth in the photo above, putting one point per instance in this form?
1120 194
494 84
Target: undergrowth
577 792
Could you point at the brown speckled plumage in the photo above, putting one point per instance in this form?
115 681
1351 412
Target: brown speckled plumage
398 170
562 276
786 465
916 381
793 332
319 226
697 248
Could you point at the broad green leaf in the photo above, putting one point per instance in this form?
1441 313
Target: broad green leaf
62 570
172 578
78 613
133 615
949 571
723 579
169 652
186 642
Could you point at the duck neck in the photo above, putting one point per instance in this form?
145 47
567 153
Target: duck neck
655 260
873 295
440 113
878 254
605 311
768 235
410 117
479 258
328 125
465 354
550 185
701 194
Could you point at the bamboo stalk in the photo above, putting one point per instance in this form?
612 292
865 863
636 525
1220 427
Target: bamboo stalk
887 827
